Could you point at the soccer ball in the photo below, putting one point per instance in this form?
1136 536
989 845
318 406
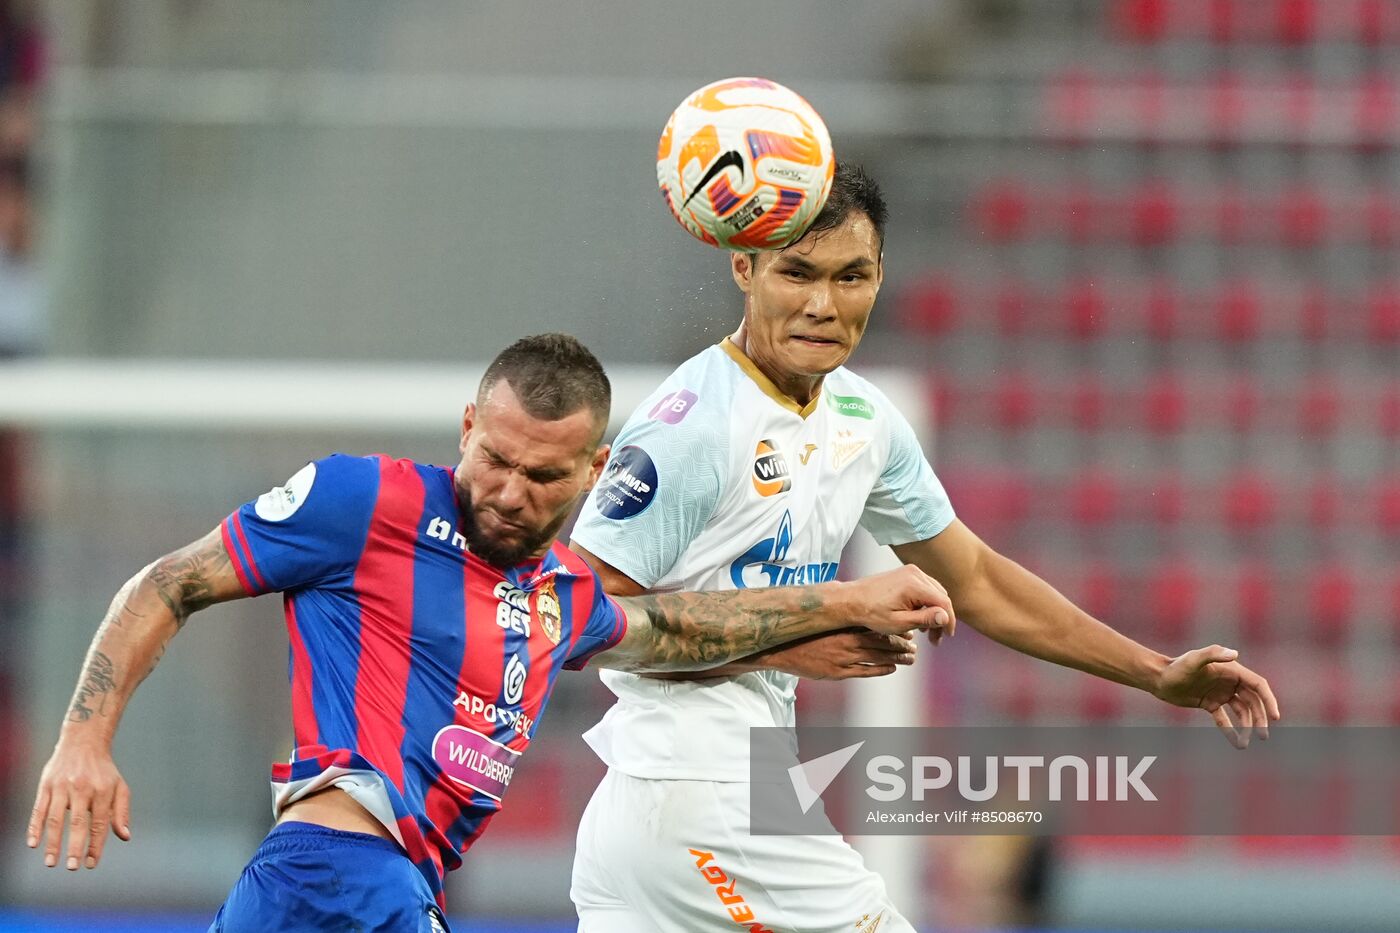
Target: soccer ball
745 164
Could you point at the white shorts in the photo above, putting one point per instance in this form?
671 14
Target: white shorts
663 856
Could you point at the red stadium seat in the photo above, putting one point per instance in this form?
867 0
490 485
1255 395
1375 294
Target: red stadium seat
1084 309
1100 589
1155 213
1255 587
1297 21
1094 498
1320 407
1172 596
1324 503
1316 313
1249 502
1383 307
1081 207
1387 507
1232 213
1377 112
943 398
1165 412
1001 211
1100 700
991 502
931 306
1331 602
1015 403
1238 312
1382 217
1141 20
1303 219
1388 411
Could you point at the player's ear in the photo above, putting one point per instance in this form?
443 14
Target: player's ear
600 460
742 267
468 419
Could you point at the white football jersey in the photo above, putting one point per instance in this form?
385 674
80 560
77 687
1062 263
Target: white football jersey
719 481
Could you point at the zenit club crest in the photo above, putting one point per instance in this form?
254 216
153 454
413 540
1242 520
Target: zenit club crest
771 474
547 610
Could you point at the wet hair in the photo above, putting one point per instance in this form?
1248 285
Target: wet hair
851 190
553 376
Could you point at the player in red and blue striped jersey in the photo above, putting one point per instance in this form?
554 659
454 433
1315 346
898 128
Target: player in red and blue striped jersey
429 611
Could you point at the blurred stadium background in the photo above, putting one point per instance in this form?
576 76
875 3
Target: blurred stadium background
1140 269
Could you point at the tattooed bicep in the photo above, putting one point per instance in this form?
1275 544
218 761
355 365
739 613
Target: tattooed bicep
196 576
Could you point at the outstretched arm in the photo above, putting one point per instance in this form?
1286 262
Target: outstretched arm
696 631
81 776
1008 603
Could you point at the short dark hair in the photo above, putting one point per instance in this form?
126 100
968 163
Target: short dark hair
553 375
851 190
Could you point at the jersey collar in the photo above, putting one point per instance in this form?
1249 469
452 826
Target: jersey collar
765 384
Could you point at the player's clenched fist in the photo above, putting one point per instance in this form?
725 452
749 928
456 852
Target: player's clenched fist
899 600
81 780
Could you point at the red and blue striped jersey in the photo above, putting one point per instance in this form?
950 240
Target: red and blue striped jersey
418 670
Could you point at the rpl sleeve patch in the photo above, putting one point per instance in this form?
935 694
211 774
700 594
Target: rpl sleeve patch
281 502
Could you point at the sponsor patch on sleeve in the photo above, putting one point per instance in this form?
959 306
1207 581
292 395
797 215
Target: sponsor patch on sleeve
281 502
629 484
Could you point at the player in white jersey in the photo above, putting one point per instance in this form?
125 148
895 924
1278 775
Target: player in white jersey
752 465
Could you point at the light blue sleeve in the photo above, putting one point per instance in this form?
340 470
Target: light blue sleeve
658 490
908 502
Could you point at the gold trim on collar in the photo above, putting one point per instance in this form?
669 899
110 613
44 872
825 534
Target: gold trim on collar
763 382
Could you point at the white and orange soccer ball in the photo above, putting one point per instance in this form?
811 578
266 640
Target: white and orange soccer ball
745 164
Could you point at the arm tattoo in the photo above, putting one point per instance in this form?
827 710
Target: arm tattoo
183 583
694 631
98 680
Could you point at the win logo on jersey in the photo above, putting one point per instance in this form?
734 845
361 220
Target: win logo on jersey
762 564
771 474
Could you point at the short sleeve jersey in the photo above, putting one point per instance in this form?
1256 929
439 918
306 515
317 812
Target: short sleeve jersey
718 481
418 671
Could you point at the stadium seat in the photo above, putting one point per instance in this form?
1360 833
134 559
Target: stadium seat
1388 411
1381 216
1238 312
1303 218
1162 310
1242 405
1383 314
1155 212
1080 213
1084 309
1171 598
1297 21
1088 405
943 400
1165 405
1248 501
1014 403
1316 314
1100 590
1331 602
1001 211
1376 112
1014 308
1319 407
1094 497
1141 20
1168 499
1255 587
1387 508
1100 701
931 307
1324 503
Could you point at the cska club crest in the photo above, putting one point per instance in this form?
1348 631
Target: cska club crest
547 610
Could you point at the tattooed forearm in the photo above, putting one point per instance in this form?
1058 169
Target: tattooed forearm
184 581
98 680
695 631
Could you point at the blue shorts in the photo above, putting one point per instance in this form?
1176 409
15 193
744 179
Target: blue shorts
306 877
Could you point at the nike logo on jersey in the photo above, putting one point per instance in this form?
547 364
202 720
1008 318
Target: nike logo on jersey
731 159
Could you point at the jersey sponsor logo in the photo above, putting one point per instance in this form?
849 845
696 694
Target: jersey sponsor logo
513 610
771 474
281 502
726 890
468 757
628 486
513 684
763 564
511 718
441 529
673 407
845 449
547 611
851 405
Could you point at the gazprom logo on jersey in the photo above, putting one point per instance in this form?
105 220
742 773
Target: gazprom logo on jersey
762 564
851 405
629 484
468 757
673 407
